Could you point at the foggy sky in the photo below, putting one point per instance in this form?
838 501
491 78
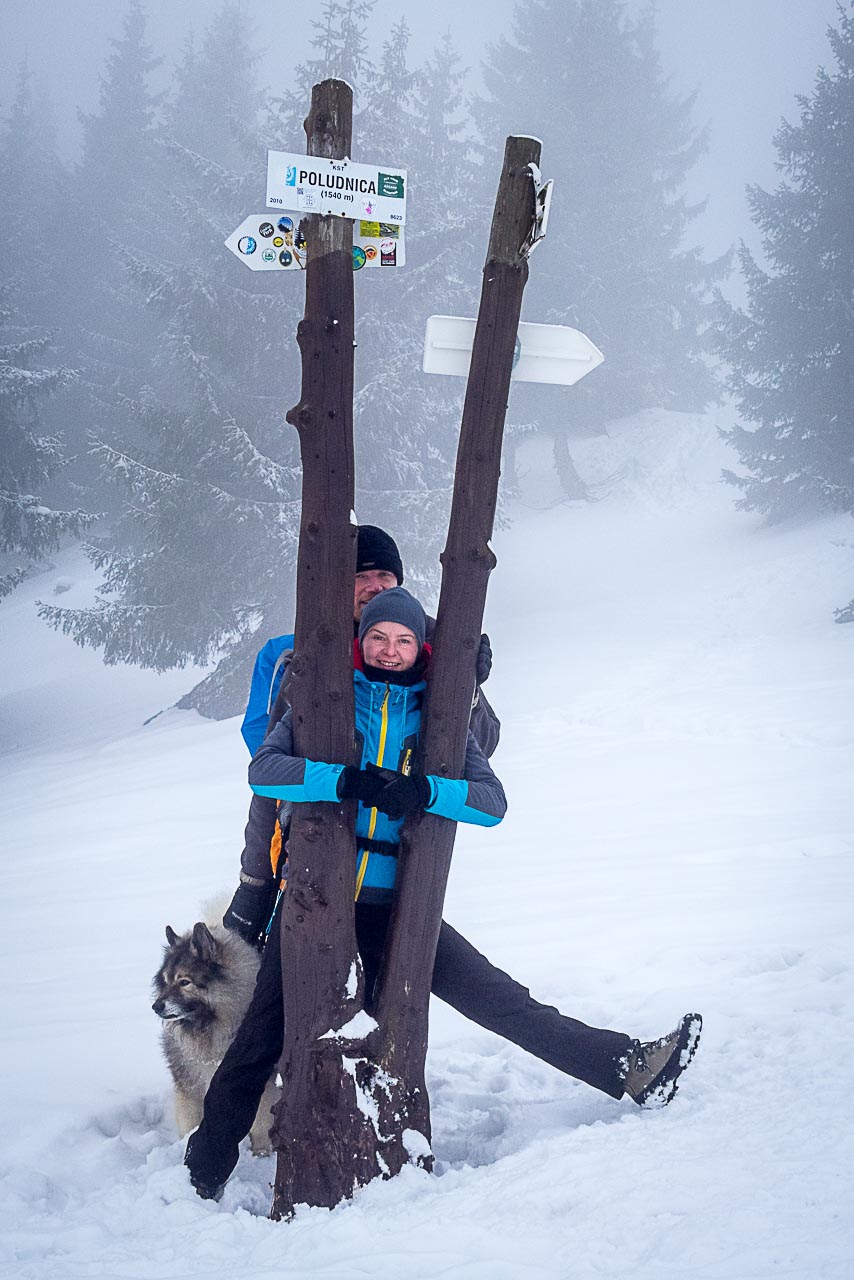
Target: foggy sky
747 58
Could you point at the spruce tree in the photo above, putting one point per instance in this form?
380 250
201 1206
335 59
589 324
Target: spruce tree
198 563
29 528
103 329
117 155
198 556
789 349
33 192
341 44
407 422
34 203
619 143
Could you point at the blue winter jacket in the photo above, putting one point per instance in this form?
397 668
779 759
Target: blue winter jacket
388 718
266 678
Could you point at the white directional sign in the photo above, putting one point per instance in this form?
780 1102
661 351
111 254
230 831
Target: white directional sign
544 352
274 242
311 184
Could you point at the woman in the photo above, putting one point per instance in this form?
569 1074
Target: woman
391 663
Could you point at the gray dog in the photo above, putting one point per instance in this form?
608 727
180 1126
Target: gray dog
203 989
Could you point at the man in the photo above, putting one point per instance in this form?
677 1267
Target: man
390 659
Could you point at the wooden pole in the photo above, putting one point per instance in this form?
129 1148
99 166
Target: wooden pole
319 1133
402 1004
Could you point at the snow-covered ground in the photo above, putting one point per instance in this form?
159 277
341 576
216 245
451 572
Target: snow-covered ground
678 752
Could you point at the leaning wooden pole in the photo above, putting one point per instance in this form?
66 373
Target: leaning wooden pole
318 935
402 1006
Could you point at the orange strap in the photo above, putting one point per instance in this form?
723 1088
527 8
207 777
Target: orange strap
276 848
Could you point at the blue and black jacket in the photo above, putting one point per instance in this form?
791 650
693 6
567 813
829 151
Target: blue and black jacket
388 719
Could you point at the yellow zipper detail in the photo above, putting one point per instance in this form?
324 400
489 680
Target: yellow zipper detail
383 727
363 866
372 823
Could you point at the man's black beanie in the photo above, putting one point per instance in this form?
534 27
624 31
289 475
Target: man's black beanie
376 549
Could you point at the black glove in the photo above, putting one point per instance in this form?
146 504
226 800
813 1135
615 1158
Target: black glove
357 784
483 661
249 911
400 793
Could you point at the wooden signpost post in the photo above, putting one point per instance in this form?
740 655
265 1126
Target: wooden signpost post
467 562
323 1144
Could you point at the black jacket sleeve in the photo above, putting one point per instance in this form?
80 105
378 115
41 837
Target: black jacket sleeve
258 836
484 723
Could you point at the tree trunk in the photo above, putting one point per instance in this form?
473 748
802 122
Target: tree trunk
323 1140
570 481
403 1000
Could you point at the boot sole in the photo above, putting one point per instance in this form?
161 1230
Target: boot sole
660 1091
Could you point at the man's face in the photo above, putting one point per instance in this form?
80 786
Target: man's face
391 646
369 583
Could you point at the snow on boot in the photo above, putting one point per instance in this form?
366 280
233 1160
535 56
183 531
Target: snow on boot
652 1070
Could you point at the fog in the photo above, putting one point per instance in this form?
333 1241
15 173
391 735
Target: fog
677 751
168 364
746 59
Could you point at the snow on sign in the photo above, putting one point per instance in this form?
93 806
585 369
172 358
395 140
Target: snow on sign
274 242
312 184
544 352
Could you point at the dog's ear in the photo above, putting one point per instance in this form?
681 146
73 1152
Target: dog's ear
171 936
204 943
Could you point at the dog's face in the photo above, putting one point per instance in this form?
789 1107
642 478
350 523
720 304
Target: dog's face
190 967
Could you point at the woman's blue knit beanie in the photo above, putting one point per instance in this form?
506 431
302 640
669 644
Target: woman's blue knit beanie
395 605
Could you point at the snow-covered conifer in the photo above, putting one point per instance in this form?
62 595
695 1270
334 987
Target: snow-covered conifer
29 527
789 349
113 206
32 180
587 78
200 551
407 422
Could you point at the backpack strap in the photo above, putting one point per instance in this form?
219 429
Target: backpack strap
283 658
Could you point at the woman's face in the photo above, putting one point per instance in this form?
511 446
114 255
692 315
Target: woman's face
389 645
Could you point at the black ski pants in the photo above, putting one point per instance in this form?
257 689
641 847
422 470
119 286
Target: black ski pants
462 977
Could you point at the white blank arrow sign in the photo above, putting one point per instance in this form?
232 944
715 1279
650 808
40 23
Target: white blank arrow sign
546 352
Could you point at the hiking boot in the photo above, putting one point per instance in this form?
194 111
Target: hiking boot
651 1071
207 1191
209 1168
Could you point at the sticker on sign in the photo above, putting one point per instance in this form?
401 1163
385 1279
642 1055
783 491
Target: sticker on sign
312 184
265 242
